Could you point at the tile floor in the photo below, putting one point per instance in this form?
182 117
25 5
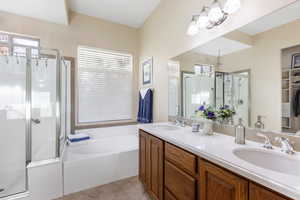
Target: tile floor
127 189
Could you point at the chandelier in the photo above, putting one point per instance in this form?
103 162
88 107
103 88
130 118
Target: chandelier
213 16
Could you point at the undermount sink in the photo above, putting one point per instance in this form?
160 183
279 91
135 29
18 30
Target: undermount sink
166 127
269 159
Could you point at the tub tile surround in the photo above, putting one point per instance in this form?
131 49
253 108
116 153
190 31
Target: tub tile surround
219 150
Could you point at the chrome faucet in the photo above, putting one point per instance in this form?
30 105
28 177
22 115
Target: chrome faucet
286 145
179 121
267 143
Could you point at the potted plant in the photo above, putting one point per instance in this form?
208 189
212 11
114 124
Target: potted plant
207 113
225 114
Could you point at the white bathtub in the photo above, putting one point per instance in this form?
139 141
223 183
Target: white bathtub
110 155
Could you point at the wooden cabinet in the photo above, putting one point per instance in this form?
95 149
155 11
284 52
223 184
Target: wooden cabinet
257 192
217 183
182 185
171 173
169 196
181 158
151 167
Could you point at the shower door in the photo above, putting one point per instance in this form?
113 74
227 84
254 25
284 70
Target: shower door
43 108
13 125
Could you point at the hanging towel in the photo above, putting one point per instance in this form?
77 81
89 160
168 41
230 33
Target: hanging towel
296 103
145 114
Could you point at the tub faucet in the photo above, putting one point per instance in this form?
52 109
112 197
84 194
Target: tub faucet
286 145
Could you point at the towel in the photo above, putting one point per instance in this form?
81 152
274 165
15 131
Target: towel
143 92
145 113
78 137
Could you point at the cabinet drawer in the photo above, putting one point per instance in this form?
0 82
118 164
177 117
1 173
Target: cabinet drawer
181 158
179 183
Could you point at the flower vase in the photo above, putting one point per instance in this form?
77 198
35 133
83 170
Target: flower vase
208 127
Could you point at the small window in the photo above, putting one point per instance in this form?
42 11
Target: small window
3 38
4 51
13 44
104 86
25 42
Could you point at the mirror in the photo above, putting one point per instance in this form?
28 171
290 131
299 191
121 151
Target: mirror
253 71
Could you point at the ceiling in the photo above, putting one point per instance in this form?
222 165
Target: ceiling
132 13
128 12
222 44
49 10
281 17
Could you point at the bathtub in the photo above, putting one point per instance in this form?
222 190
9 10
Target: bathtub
110 155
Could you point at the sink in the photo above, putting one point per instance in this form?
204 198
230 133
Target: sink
268 159
165 127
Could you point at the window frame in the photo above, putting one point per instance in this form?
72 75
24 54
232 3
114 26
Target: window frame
108 123
11 45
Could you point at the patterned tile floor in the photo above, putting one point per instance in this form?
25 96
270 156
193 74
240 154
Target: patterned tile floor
127 189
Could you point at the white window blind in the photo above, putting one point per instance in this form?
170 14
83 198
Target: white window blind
105 85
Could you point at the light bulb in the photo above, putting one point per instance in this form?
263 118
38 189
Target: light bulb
203 19
193 27
215 14
231 6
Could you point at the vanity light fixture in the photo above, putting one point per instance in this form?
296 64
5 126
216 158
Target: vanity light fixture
213 16
216 14
193 28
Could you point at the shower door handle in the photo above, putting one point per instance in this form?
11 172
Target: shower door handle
36 121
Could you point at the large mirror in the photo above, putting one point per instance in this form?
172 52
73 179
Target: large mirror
253 71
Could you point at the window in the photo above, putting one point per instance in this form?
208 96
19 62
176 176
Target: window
104 86
13 44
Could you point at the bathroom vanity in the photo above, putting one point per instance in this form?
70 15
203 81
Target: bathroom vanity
181 165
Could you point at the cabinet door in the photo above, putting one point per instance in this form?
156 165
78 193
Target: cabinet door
156 149
259 193
217 183
142 156
169 196
179 183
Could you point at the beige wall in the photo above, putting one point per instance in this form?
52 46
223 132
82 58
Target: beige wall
82 30
264 60
163 36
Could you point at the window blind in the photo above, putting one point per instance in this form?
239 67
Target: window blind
105 85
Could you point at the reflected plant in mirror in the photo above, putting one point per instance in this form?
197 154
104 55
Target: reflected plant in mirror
225 114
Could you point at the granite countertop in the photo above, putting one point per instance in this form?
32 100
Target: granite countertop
219 150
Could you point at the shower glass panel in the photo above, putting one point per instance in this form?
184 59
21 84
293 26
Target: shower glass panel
237 94
197 90
241 96
13 125
43 108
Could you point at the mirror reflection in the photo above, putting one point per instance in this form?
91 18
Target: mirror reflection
253 72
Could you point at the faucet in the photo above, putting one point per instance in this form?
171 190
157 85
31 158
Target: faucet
267 144
179 121
286 145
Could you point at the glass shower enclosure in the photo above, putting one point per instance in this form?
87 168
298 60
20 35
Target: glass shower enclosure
33 97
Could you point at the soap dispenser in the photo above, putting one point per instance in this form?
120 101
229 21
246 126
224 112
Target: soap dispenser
240 133
259 124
